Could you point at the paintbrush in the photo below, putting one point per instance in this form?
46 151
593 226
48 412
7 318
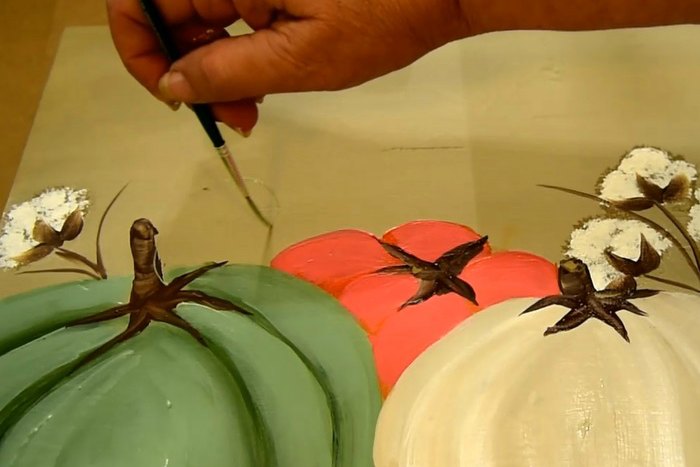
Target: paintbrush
203 111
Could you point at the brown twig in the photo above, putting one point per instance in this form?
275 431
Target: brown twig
73 270
684 232
680 285
658 227
98 250
77 257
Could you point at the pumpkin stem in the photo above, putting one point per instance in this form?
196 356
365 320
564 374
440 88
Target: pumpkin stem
585 302
144 252
151 299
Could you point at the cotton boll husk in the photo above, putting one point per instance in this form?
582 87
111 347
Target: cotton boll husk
655 165
55 205
52 206
623 236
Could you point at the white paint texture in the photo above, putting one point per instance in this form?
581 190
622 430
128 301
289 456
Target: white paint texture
621 236
496 392
694 217
655 165
52 206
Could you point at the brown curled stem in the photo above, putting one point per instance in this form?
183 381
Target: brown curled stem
77 257
680 285
98 250
654 225
69 270
684 232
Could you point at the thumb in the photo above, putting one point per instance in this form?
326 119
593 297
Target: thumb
235 68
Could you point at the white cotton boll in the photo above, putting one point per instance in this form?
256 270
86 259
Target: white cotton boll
653 164
21 217
16 236
13 244
7 262
588 244
694 222
694 218
54 217
623 237
618 185
626 242
51 199
645 161
53 206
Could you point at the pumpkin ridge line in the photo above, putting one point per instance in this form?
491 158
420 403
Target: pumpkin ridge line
31 395
270 328
265 453
37 391
24 339
664 330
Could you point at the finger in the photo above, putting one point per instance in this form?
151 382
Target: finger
241 115
264 62
194 35
255 13
138 46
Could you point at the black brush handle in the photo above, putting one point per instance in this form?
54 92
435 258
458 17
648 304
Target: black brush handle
203 111
161 29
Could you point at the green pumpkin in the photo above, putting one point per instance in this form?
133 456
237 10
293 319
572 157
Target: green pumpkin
285 379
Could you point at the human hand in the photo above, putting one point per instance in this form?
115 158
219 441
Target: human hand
298 45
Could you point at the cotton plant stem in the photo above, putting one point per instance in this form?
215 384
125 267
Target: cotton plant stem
680 285
72 255
70 270
98 250
98 270
658 227
684 232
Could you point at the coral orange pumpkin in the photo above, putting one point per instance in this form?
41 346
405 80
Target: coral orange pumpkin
356 267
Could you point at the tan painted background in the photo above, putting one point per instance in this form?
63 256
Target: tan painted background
465 134
30 31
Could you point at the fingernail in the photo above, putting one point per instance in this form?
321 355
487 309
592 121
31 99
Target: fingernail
174 87
244 134
173 105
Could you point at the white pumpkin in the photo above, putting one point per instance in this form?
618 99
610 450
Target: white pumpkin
496 392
